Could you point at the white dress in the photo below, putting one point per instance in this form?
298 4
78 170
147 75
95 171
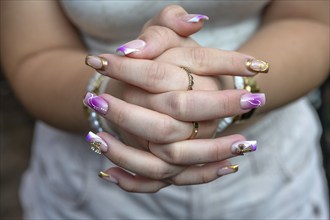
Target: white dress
283 179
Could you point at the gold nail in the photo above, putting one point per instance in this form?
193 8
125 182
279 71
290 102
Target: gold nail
234 167
257 66
103 174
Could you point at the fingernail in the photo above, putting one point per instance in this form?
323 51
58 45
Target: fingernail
131 47
228 170
97 63
257 66
252 100
97 144
96 102
194 18
242 147
107 177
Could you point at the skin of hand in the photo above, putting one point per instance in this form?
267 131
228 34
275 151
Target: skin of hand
56 49
273 18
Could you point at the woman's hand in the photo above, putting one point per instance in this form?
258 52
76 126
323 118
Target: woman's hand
199 161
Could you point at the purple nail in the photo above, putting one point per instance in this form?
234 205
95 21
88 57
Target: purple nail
96 102
252 100
194 18
242 147
97 144
131 47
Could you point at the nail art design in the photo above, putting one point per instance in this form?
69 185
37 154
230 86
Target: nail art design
96 102
257 66
252 100
107 177
97 63
194 18
244 147
131 47
97 144
228 170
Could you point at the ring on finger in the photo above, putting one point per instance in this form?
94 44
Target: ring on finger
190 79
194 131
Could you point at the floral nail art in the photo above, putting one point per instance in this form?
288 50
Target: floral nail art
96 102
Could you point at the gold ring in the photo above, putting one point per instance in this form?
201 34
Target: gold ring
190 79
194 131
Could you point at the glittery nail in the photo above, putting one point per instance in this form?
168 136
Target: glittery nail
194 18
252 100
97 144
131 47
242 147
228 170
257 66
96 102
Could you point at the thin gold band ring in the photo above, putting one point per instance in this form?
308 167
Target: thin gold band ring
190 79
194 131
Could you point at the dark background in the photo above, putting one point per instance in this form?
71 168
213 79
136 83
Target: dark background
16 130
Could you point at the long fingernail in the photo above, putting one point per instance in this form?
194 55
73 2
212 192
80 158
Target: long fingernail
242 147
97 63
131 47
252 100
194 18
257 66
107 177
228 170
96 102
97 144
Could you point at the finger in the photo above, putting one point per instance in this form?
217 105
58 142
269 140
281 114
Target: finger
201 151
190 105
211 61
157 77
139 162
177 19
163 32
132 183
144 123
203 174
153 42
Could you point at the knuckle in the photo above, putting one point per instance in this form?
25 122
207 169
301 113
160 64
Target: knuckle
155 74
225 105
199 57
178 103
160 34
173 154
161 172
168 11
120 117
164 127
